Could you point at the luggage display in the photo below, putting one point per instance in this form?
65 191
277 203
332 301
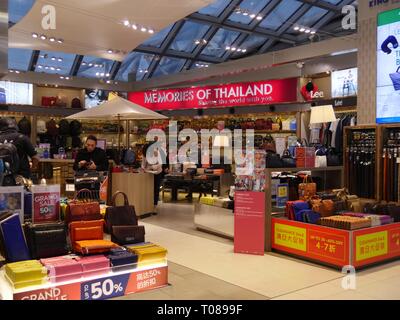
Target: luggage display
124 215
122 259
127 234
62 269
87 237
13 239
94 265
25 273
148 253
346 222
46 240
82 211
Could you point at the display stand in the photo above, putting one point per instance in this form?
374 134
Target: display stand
333 177
100 287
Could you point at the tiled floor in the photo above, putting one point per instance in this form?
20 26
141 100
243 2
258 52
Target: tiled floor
204 266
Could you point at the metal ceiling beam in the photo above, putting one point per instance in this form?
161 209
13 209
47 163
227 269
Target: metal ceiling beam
114 69
34 60
76 65
285 26
324 5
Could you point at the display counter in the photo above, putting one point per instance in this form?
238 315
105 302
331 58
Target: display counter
216 220
139 187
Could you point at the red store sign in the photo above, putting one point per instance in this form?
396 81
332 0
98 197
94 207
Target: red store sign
239 94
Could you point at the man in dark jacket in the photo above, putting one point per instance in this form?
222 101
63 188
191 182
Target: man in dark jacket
9 132
91 157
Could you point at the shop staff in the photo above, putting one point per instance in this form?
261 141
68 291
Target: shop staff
152 163
91 157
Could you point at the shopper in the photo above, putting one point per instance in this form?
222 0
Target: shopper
152 163
91 157
9 132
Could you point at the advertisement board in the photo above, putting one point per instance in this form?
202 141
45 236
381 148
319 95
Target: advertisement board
16 93
344 83
388 67
230 95
46 203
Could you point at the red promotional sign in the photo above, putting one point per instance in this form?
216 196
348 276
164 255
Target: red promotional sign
46 203
249 230
239 94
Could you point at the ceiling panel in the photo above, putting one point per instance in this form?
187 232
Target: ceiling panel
189 35
217 46
168 66
248 10
94 67
55 62
19 59
137 64
280 14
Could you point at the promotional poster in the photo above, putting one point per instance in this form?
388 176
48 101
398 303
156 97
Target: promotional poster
344 83
12 200
388 67
16 93
46 203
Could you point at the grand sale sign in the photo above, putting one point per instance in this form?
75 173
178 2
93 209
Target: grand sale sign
46 203
239 94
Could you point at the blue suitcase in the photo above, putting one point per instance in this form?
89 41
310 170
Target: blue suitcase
14 242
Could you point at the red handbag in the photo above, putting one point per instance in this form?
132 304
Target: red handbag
82 210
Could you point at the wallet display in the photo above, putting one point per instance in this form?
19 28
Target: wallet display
148 253
61 269
345 222
122 259
25 273
127 234
46 240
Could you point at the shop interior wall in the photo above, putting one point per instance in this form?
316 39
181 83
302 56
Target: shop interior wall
3 38
367 59
69 94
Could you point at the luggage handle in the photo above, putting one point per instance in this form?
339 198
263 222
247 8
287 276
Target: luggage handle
78 193
126 201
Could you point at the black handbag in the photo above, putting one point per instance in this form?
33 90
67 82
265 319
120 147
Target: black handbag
46 240
332 159
273 160
287 160
120 215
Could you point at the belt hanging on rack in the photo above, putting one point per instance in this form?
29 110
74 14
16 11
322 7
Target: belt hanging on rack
385 159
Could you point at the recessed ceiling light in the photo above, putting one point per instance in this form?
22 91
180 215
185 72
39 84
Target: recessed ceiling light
143 29
12 71
90 64
60 59
228 48
58 69
233 49
151 31
244 50
52 68
110 51
302 29
35 35
84 63
197 42
60 40
126 23
308 31
43 37
61 77
239 50
296 28
107 75
259 18
245 13
252 16
67 78
40 67
108 81
53 58
102 74
52 39
204 41
97 74
134 26
46 67
313 32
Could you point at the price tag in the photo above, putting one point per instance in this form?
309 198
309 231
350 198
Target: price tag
100 289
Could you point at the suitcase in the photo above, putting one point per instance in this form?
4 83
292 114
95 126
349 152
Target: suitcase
148 253
87 237
13 238
62 269
127 234
122 259
94 265
46 240
25 273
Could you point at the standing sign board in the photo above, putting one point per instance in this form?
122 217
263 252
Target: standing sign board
12 200
46 203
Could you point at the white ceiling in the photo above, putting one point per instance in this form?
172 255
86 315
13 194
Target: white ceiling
91 27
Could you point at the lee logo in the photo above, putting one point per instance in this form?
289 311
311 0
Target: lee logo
49 20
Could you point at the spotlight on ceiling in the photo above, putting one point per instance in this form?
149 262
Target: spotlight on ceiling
259 18
52 39
110 51
60 41
134 26
126 23
35 35
151 31
296 28
43 37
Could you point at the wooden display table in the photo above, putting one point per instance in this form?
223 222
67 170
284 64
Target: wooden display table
139 187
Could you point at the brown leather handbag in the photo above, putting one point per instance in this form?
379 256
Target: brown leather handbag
82 210
124 215
307 189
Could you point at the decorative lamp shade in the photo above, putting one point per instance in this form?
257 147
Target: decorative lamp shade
221 141
322 114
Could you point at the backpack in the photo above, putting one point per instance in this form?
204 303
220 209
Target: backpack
64 127
9 154
76 103
24 126
129 157
51 127
75 128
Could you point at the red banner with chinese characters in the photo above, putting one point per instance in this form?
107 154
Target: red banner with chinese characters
249 225
376 244
230 95
320 243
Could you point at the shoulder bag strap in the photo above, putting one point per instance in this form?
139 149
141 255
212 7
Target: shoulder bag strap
126 201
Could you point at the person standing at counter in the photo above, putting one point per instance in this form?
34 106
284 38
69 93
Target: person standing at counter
152 163
91 157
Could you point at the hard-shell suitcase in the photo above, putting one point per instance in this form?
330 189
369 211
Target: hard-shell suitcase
25 273
94 265
46 240
122 259
64 268
14 242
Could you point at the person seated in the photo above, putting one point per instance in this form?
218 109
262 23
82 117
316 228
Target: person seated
91 157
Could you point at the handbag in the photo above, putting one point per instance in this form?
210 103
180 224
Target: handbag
124 215
321 162
82 211
353 203
273 160
46 240
287 160
269 144
325 208
396 79
307 189
332 159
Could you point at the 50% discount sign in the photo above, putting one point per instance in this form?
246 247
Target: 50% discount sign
106 288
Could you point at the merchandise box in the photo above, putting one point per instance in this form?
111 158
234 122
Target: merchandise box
336 247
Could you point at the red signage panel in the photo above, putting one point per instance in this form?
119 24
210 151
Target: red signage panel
239 94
